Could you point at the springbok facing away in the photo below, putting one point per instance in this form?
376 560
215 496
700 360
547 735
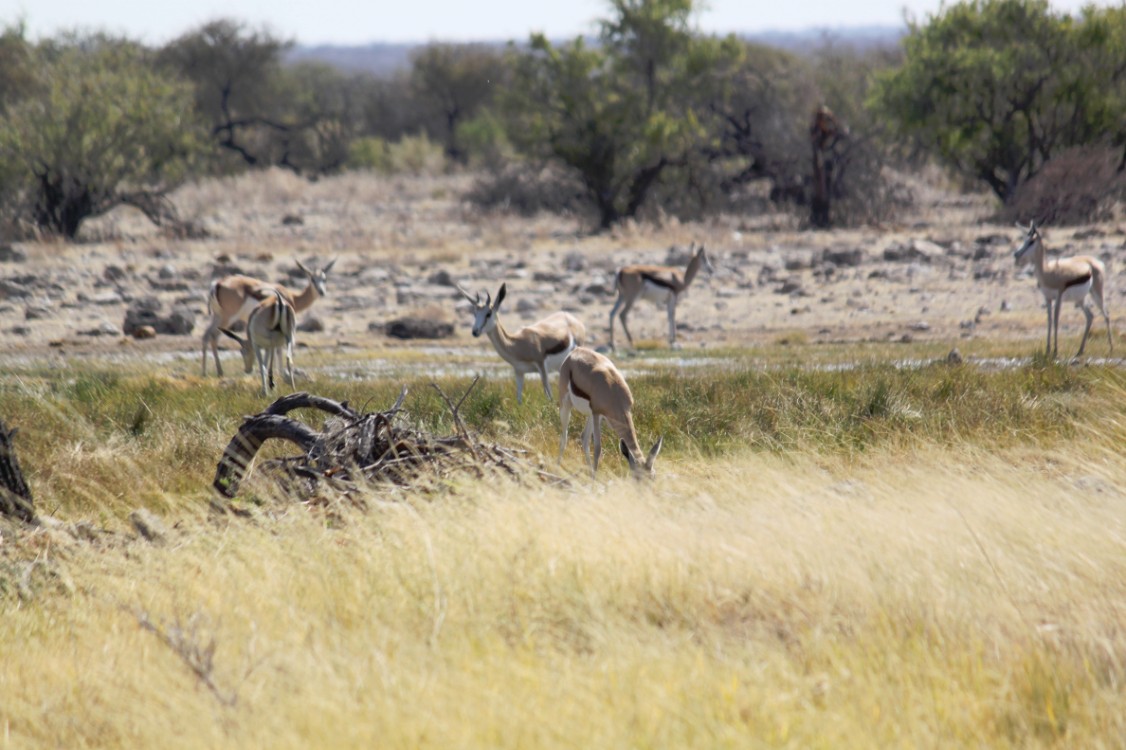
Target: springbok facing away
269 332
659 284
540 347
1065 280
591 384
233 297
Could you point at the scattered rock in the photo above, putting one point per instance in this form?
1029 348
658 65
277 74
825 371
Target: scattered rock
441 277
167 271
790 286
574 261
12 288
146 312
104 329
311 324
292 220
12 254
992 239
148 526
843 257
415 327
144 332
525 305
678 256
36 312
107 298
114 274
916 250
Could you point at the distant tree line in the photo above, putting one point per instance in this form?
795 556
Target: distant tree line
648 118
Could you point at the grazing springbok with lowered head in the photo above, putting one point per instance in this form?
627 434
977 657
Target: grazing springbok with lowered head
269 335
231 299
1065 280
591 384
663 285
540 347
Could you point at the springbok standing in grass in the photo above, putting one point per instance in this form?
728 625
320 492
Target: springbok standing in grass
269 333
590 383
1065 280
663 285
540 347
232 298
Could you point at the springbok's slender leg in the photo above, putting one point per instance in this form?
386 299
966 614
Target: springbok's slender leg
671 304
1056 325
596 428
565 418
588 430
613 314
1087 329
1048 348
622 317
546 382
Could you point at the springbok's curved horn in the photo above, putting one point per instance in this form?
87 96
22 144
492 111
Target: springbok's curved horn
475 300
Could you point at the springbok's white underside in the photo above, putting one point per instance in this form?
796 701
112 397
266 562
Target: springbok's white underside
655 293
578 403
1075 294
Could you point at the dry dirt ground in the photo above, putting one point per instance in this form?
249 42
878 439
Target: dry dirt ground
944 274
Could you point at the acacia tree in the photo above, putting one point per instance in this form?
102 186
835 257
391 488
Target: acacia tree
237 76
996 87
454 83
99 128
615 113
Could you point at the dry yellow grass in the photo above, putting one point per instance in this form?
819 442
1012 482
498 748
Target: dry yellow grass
944 598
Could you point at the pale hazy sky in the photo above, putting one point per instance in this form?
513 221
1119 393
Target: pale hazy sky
359 22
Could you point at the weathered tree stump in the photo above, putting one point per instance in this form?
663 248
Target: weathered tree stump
357 450
15 495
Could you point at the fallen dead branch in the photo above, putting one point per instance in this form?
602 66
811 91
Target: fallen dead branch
356 450
15 495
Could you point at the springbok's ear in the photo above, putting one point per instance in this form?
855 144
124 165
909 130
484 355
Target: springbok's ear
306 271
331 263
233 335
625 452
500 295
654 451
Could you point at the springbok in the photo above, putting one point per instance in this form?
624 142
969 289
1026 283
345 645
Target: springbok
269 332
539 347
589 382
233 297
1065 280
659 284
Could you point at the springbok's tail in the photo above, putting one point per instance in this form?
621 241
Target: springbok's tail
282 317
213 298
1098 291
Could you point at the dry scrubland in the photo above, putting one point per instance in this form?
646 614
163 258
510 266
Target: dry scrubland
831 557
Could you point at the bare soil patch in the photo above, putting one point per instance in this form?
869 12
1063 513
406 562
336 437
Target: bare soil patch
946 274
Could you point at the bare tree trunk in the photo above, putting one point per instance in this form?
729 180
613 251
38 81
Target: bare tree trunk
272 423
15 495
824 133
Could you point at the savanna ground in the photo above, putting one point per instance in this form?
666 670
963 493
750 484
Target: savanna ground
851 542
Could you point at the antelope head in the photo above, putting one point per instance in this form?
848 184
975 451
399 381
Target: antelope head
638 469
319 277
484 313
1023 254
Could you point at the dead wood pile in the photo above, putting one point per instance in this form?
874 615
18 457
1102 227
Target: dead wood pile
15 495
361 451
